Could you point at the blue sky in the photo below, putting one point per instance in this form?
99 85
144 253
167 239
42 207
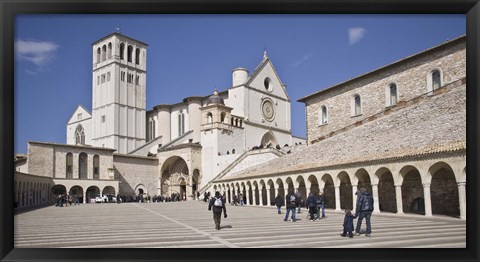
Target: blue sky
190 55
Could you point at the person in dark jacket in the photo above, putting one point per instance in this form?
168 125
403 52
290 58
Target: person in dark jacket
312 206
291 206
298 195
364 209
321 204
218 206
279 202
348 224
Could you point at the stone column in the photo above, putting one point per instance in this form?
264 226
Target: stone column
247 196
376 204
268 195
260 194
254 197
354 198
398 196
428 200
462 200
189 189
337 198
84 196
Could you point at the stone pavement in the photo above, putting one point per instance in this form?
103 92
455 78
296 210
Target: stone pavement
190 225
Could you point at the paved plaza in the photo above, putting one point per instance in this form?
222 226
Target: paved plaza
190 225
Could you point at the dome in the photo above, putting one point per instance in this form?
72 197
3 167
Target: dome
215 99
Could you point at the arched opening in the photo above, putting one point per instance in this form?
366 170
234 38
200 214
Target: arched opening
129 53
268 139
104 52
122 51
174 169
412 190
302 189
108 190
393 94
364 180
77 191
444 187
58 190
109 53
92 193
137 56
346 195
222 117
82 166
314 186
329 190
209 118
386 191
99 54
183 188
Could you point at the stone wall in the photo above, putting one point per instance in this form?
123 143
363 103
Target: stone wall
409 75
133 172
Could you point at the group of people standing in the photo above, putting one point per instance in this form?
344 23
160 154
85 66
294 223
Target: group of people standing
315 204
66 199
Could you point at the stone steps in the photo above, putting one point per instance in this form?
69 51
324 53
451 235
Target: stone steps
190 225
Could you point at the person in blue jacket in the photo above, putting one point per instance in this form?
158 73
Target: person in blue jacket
348 224
363 210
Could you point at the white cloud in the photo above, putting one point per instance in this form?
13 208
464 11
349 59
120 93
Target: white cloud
37 52
302 60
355 34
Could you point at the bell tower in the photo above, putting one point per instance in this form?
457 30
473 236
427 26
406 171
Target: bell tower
119 92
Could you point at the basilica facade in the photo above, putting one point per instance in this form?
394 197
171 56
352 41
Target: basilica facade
121 147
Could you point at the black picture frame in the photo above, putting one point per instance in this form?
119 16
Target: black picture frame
11 8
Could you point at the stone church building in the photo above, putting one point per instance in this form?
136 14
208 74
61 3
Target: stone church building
121 147
398 131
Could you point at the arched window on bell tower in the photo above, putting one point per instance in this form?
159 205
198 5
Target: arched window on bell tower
109 52
122 51
129 53
181 123
137 56
104 52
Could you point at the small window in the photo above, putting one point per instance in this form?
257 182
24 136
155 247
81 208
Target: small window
104 52
103 119
137 80
79 116
323 115
108 76
393 94
98 55
98 80
103 78
268 84
357 105
436 83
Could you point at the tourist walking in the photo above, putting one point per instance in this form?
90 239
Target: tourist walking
217 205
235 200
241 199
298 195
363 210
348 224
279 202
77 200
321 204
312 206
291 206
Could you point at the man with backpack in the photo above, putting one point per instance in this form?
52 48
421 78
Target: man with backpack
291 205
321 204
218 206
363 210
312 206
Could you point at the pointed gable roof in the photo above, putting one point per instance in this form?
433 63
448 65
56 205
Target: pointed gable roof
265 61
80 109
